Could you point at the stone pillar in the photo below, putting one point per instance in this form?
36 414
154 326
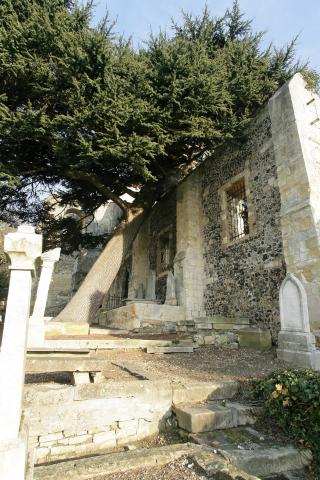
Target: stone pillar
188 262
140 262
36 333
295 119
22 247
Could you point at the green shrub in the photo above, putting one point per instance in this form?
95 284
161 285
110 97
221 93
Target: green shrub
292 400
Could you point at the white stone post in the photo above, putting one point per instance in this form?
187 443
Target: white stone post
23 247
36 333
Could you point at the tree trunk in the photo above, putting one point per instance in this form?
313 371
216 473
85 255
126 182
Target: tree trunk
84 304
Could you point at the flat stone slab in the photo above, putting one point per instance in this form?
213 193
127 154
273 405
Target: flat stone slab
216 319
256 454
255 338
94 344
53 328
44 364
173 349
59 349
212 416
228 326
107 331
101 465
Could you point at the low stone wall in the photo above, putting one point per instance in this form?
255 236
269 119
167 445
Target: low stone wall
70 422
133 315
67 421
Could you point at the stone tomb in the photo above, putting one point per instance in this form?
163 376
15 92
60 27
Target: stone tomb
296 342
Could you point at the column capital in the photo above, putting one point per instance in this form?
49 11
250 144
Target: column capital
50 257
23 247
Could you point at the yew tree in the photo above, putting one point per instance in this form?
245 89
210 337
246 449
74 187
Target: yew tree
86 117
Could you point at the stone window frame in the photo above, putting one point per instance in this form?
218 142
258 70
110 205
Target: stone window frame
167 231
225 234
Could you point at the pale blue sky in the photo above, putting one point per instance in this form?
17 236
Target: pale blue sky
283 19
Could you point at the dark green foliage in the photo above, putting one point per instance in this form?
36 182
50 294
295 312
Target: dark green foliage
84 115
292 399
4 284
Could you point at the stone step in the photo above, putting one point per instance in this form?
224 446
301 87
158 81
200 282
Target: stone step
171 349
255 453
204 391
211 416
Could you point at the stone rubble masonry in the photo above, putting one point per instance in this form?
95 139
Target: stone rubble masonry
242 279
295 115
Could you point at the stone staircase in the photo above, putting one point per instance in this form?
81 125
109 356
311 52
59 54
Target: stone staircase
225 428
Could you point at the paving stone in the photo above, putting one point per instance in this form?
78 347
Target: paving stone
254 453
215 466
269 460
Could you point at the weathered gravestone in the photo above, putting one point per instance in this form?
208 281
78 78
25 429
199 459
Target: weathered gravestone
171 298
296 343
151 286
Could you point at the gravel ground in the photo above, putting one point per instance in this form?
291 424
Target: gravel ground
182 469
207 363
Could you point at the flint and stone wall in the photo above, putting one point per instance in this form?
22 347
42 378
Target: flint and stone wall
243 279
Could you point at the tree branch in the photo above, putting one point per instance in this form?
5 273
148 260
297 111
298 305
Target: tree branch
94 180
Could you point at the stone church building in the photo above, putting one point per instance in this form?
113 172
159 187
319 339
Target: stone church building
226 237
